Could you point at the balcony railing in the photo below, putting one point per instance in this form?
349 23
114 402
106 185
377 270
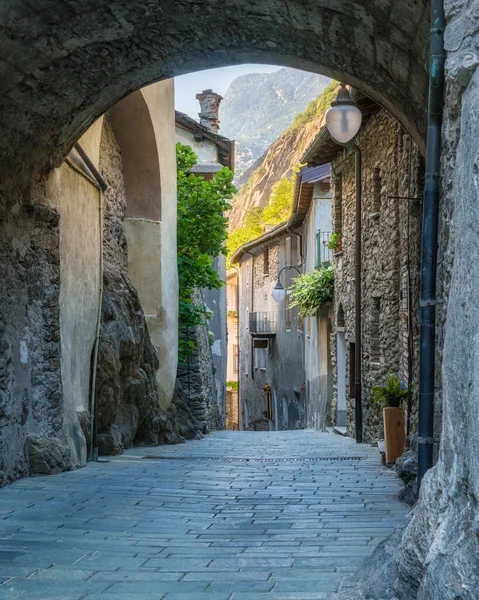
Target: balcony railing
263 323
323 253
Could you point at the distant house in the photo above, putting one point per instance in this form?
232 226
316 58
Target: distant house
271 379
214 152
232 370
312 210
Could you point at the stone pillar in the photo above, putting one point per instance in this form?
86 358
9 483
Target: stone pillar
210 104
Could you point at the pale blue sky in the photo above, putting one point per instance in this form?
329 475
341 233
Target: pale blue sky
187 86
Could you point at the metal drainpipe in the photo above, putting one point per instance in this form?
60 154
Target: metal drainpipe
429 241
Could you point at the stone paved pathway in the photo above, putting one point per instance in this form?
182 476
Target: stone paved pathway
259 516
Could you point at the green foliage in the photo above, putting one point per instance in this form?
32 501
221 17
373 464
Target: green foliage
233 385
202 232
316 107
312 289
280 202
390 394
334 240
251 229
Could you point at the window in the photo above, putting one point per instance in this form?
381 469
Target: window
288 251
375 353
298 250
266 262
352 370
318 249
287 310
338 202
299 321
235 359
260 347
377 185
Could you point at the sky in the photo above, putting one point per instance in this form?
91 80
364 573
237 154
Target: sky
187 86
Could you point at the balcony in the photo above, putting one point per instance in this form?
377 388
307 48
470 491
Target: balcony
323 253
263 324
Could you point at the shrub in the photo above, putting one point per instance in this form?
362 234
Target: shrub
312 289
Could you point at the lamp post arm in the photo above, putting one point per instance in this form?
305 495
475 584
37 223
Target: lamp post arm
287 267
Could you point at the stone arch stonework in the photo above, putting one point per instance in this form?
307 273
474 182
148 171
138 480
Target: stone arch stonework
72 64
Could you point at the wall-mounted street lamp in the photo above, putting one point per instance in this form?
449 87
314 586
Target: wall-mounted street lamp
279 293
343 121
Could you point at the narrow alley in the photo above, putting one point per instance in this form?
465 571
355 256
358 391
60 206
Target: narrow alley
235 516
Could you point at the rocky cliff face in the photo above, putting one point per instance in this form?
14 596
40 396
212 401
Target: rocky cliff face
258 107
279 160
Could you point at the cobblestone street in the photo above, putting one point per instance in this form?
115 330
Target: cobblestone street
235 516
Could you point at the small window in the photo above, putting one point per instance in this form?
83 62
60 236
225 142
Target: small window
266 262
288 251
352 370
287 310
299 254
260 347
299 322
377 185
375 353
338 202
235 359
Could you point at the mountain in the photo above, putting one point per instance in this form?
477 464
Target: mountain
280 160
258 107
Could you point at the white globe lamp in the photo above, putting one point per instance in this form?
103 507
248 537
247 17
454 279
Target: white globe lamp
343 119
278 293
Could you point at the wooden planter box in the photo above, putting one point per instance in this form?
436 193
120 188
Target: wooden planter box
394 433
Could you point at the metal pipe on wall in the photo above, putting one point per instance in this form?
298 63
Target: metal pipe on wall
429 241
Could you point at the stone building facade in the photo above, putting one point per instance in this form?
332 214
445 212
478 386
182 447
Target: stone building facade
392 186
271 377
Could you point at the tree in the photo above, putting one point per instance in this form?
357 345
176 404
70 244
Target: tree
202 232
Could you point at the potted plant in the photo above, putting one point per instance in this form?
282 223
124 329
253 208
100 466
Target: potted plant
335 241
389 397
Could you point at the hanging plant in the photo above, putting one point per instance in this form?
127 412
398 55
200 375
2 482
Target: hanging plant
312 289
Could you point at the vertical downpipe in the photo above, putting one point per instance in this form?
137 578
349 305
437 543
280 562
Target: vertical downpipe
429 241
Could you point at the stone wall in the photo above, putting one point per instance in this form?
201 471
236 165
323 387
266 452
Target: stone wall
31 416
439 553
392 189
196 378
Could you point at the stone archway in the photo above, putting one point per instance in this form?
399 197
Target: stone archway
63 68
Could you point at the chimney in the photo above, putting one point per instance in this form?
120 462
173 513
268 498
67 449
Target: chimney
210 104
